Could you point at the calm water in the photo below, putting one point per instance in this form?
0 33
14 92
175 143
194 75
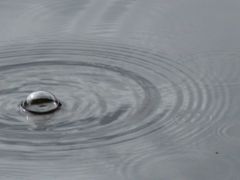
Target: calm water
149 89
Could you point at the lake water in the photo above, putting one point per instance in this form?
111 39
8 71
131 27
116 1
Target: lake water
149 90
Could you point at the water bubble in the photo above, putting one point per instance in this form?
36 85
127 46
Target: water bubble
41 102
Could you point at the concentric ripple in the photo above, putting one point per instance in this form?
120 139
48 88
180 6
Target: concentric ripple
222 69
110 93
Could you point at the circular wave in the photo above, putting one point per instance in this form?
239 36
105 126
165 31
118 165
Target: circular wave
110 93
221 68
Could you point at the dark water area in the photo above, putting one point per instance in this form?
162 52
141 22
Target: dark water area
147 90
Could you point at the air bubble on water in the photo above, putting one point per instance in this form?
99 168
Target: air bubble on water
41 102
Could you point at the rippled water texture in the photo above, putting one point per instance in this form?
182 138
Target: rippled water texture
147 90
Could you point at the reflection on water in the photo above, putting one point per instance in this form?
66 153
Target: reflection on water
143 94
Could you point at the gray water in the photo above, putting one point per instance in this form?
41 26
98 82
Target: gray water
149 89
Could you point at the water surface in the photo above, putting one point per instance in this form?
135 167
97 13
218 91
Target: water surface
149 89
